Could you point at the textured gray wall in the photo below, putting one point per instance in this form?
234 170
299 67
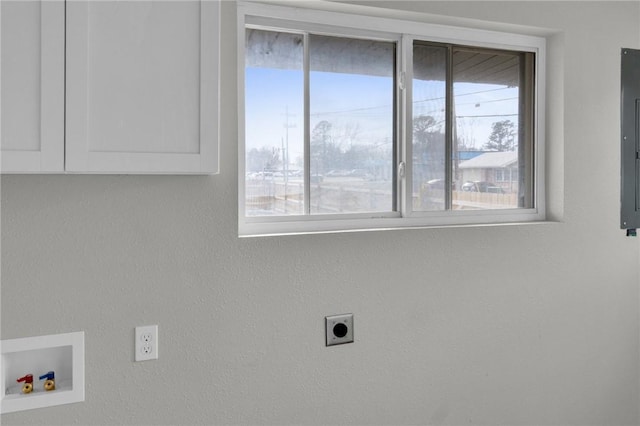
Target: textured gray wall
534 324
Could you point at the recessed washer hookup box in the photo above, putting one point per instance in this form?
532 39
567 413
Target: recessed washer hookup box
58 359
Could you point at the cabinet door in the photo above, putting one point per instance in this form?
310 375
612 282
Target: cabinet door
142 86
32 86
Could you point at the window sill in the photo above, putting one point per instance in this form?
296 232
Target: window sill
274 229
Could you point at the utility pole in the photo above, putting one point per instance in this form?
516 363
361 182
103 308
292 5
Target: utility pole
287 125
285 153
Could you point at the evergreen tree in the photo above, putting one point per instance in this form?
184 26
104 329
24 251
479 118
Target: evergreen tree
502 136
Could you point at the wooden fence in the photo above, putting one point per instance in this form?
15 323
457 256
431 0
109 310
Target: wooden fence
277 197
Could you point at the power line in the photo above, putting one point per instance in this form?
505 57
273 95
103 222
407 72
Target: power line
419 101
487 116
463 94
487 102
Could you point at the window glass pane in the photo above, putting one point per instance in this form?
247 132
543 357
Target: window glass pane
429 124
274 123
351 125
489 129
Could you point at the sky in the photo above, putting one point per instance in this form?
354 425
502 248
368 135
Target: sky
345 100
361 107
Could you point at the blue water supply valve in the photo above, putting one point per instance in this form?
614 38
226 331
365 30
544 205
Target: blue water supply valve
49 376
49 383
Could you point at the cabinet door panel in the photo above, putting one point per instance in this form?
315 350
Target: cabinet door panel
142 87
32 86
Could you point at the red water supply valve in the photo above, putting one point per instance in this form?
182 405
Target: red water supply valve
28 383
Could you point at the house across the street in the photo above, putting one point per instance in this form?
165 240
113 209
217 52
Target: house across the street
498 167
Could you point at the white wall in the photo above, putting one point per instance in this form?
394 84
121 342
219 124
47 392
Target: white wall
445 333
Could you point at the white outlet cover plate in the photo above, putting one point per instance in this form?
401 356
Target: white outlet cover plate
146 343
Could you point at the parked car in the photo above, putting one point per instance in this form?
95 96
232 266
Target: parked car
361 173
496 190
434 184
481 186
337 173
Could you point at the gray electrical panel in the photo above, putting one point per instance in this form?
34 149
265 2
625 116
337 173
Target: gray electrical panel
630 141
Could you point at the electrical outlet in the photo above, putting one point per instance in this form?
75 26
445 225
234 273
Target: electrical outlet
146 345
339 329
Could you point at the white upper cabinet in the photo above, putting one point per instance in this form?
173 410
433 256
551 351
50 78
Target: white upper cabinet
142 87
141 91
32 86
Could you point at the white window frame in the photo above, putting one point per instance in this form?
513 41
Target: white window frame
405 32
